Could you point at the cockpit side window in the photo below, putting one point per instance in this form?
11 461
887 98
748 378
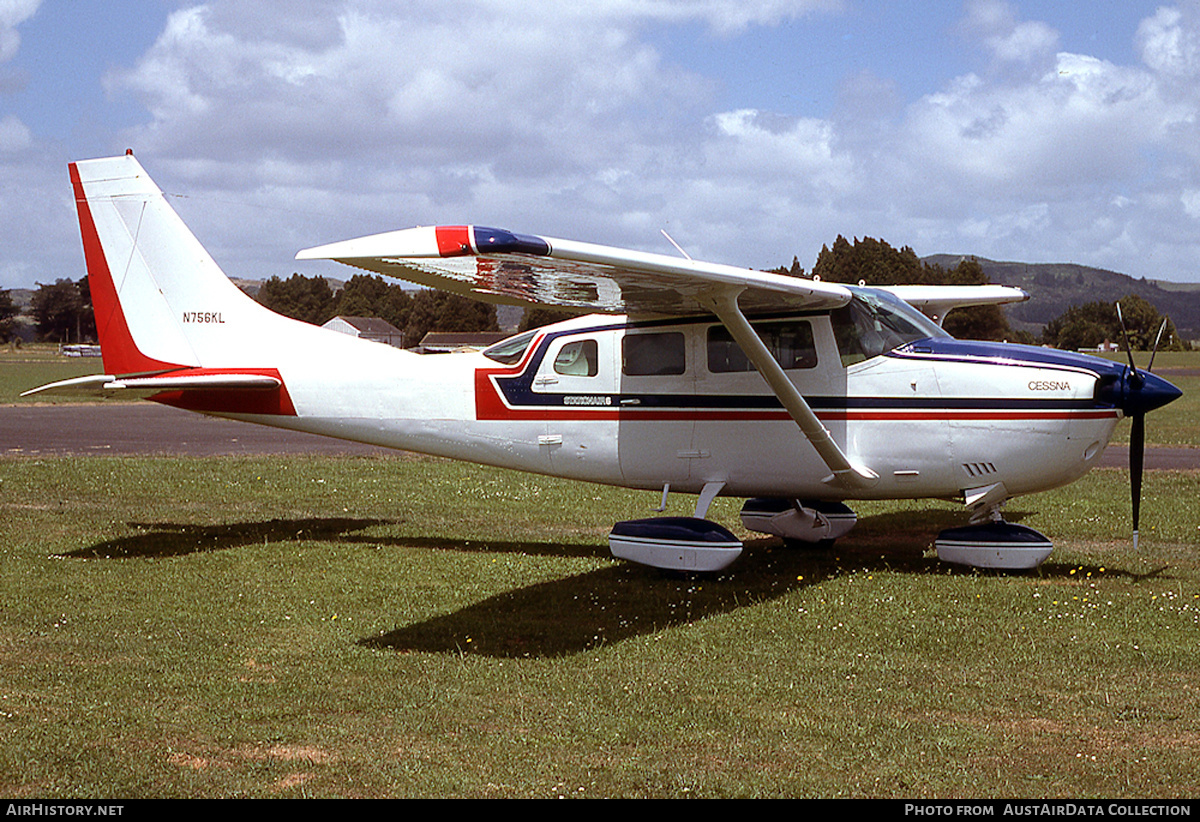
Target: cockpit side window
511 351
857 338
579 358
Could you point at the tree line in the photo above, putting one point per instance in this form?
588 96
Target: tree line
1092 324
875 262
62 311
416 313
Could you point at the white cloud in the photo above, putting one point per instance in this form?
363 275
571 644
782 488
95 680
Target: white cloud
1170 43
1023 221
994 23
1085 122
14 135
1190 198
12 14
722 16
802 152
404 86
1071 157
290 124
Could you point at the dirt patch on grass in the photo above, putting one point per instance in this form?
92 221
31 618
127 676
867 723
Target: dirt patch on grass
202 760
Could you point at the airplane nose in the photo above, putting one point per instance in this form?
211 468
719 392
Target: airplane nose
1137 392
1147 392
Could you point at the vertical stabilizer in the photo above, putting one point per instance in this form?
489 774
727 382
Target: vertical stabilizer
161 301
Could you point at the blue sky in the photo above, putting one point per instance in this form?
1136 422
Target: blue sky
752 132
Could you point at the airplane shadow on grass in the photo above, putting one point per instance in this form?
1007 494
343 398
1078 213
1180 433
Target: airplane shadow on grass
568 616
165 539
574 614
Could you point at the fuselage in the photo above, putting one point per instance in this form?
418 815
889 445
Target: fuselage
647 403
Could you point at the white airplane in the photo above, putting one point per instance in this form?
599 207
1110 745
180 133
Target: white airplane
679 375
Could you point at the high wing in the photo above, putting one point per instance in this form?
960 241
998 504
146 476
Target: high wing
936 301
499 266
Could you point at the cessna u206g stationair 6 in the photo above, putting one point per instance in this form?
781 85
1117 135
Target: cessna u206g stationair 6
679 375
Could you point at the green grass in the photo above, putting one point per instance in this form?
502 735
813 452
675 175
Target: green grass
410 627
38 364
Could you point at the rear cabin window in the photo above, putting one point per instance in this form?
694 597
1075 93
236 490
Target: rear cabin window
647 355
790 343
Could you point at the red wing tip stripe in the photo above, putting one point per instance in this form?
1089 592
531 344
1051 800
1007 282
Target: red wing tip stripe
453 240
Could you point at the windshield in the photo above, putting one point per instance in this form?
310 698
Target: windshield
875 322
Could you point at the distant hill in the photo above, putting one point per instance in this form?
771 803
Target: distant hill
21 297
1055 287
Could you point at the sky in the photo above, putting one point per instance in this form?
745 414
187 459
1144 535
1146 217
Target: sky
752 131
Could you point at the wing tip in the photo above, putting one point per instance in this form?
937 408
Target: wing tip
431 242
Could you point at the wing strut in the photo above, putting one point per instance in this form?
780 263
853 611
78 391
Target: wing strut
724 303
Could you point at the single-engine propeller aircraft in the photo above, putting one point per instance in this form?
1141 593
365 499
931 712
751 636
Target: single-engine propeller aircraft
678 375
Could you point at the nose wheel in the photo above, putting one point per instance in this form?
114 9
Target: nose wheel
995 545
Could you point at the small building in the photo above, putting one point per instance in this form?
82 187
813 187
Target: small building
81 350
441 342
368 328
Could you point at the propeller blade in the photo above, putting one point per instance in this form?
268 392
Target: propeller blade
1135 377
1140 392
1125 336
1157 339
1137 445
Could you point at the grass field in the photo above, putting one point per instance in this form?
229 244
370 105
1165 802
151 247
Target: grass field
38 364
409 627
